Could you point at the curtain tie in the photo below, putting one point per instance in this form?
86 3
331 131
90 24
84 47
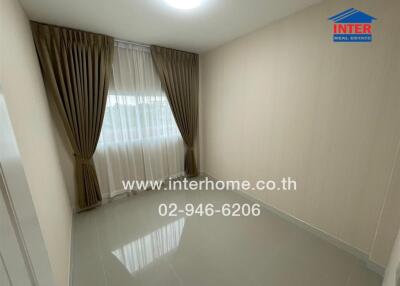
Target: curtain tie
82 160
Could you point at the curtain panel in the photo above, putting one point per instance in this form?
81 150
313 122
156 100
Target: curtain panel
179 75
76 67
139 139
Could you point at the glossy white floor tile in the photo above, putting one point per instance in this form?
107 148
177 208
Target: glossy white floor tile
126 242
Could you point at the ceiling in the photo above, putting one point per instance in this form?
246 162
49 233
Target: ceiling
212 24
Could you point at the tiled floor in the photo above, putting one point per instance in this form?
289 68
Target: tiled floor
126 242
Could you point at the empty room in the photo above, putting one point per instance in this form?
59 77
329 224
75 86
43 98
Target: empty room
199 143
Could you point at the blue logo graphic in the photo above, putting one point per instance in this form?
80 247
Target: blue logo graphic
352 26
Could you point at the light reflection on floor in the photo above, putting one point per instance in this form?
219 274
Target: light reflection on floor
139 253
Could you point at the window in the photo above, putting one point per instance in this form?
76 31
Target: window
139 139
130 118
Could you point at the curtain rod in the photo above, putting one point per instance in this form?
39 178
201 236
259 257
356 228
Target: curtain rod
148 46
132 43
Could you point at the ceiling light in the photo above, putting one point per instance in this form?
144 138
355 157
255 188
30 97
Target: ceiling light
184 4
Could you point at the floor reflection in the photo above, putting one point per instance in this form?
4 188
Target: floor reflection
145 250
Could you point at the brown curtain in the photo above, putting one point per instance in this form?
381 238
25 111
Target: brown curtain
76 66
179 74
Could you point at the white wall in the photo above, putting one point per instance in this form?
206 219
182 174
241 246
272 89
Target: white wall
287 101
27 103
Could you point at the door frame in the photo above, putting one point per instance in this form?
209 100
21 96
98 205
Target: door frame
15 191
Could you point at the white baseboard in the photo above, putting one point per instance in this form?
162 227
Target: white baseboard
375 267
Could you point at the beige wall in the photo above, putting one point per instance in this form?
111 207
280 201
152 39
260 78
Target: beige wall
287 101
23 89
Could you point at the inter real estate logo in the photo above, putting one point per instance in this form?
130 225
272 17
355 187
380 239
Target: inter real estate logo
352 26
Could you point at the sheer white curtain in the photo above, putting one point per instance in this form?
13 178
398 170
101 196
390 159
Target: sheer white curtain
139 138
